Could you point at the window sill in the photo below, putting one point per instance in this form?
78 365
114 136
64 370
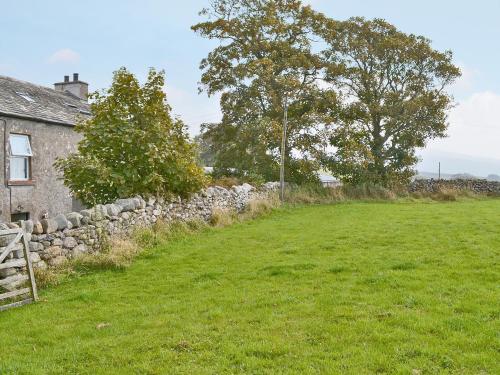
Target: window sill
21 183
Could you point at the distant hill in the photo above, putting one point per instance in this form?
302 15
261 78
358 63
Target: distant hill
456 176
453 163
493 177
463 176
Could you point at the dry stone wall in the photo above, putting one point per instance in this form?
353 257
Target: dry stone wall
66 236
475 185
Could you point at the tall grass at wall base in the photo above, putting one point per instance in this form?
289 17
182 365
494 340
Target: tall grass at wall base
223 217
116 253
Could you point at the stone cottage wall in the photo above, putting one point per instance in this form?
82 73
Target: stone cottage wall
66 236
475 185
46 192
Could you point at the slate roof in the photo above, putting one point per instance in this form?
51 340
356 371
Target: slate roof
27 100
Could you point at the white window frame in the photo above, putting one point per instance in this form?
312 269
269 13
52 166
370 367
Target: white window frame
20 149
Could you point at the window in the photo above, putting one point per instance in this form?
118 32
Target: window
20 216
20 155
25 96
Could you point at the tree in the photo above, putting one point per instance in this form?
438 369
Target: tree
205 154
131 145
393 99
264 59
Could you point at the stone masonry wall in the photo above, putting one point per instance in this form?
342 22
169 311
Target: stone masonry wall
477 186
66 236
45 193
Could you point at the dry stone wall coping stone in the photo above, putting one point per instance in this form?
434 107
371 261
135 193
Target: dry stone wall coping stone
49 225
62 222
479 186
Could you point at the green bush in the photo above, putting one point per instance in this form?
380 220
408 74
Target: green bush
131 146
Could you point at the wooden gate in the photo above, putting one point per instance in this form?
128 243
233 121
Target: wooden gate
15 253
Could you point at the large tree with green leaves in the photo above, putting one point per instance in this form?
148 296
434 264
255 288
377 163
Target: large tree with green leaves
131 145
393 98
265 59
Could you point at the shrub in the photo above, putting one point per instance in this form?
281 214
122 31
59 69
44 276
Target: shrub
131 146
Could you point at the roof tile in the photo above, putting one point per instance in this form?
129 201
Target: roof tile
24 99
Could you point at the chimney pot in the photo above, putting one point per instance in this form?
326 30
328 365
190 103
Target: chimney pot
75 87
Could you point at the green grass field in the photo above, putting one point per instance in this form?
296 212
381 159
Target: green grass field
360 288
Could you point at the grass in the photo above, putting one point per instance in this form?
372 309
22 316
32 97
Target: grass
119 252
348 288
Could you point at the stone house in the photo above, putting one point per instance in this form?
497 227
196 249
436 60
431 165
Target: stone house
36 127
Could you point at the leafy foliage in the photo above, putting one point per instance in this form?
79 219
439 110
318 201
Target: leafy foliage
383 89
131 145
393 98
264 59
206 156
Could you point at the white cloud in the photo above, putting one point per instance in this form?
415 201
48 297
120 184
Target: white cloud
64 55
474 127
465 84
192 108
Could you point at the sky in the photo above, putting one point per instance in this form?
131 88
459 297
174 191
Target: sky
41 41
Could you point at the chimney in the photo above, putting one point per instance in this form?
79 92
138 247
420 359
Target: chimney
75 87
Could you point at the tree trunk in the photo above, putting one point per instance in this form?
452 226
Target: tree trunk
379 174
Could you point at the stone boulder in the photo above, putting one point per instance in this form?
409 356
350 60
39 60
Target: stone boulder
5 240
69 243
271 186
6 272
57 242
92 214
86 213
57 261
78 251
129 204
101 211
75 219
40 264
35 246
139 202
28 226
49 225
113 209
51 252
35 257
62 222
37 228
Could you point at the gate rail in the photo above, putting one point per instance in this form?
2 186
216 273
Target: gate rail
18 236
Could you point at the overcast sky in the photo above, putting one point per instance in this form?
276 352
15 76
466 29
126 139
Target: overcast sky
41 41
